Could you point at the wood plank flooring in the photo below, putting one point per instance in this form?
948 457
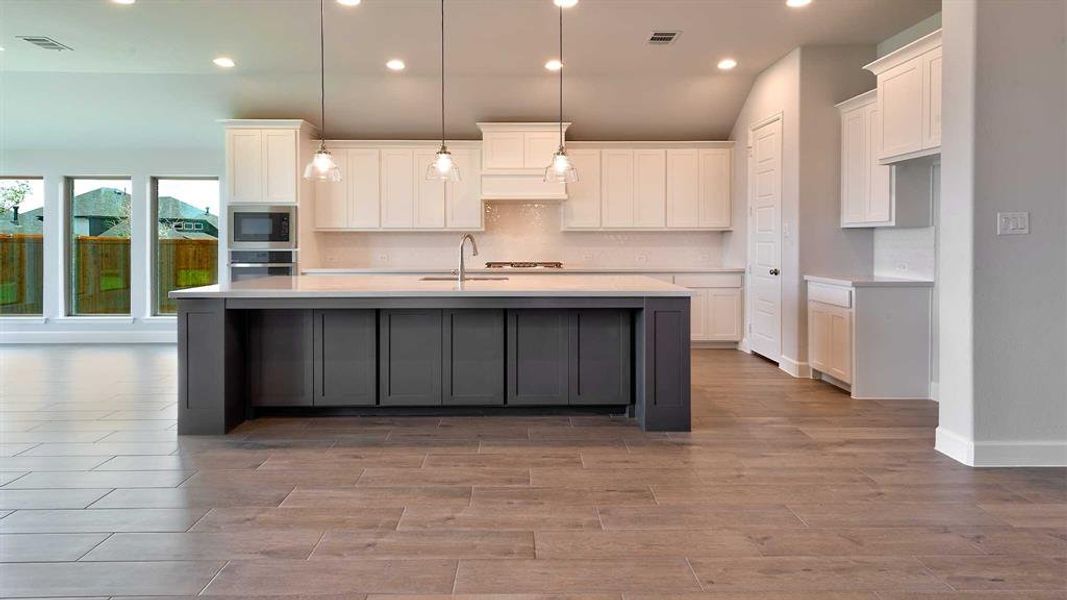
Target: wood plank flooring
785 489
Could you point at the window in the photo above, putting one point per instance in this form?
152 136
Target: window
186 237
99 250
21 246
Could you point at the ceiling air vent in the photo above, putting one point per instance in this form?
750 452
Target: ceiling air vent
43 41
663 38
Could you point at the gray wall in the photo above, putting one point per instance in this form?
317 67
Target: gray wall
1004 330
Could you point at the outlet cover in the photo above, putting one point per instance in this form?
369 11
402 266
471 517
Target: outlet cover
1013 223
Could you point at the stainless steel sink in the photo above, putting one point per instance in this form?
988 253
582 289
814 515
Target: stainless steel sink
453 278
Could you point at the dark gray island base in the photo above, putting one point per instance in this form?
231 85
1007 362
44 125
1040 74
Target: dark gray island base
242 353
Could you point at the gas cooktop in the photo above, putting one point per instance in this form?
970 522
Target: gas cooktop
523 265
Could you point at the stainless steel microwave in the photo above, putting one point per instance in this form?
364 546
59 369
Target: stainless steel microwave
262 227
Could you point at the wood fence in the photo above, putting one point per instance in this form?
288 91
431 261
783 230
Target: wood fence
181 264
21 274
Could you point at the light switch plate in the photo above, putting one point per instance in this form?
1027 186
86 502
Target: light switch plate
1013 223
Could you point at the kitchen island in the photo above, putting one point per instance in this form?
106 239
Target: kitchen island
400 344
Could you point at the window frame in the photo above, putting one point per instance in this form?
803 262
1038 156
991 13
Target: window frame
44 245
68 246
153 237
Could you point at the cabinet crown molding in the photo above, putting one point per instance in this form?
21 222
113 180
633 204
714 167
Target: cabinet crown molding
267 124
511 126
857 101
917 48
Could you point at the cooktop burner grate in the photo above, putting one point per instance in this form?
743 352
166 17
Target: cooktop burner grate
523 265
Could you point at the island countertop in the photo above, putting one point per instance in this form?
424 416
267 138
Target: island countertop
399 286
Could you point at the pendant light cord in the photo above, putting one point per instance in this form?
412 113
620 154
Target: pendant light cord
322 71
562 66
442 73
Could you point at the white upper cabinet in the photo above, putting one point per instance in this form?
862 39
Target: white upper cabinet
384 187
582 208
263 160
649 188
909 100
502 150
874 194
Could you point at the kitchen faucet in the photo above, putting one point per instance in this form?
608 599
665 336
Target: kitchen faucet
474 248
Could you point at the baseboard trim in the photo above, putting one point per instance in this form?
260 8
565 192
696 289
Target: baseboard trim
935 391
711 344
954 446
89 337
743 346
795 368
1047 453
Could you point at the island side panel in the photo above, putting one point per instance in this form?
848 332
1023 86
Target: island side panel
211 383
663 365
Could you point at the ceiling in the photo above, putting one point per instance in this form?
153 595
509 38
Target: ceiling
142 75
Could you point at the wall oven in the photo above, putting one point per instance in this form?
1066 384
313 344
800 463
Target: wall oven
262 227
253 264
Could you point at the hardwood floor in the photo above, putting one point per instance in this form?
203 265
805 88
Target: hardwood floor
785 489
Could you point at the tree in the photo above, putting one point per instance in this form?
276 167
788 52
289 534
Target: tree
13 195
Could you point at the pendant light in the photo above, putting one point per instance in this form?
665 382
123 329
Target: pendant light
322 166
561 170
443 167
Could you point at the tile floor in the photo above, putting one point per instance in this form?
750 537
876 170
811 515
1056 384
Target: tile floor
785 489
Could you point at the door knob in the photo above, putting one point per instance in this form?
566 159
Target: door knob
774 271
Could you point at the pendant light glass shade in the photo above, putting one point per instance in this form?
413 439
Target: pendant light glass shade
322 166
562 169
443 167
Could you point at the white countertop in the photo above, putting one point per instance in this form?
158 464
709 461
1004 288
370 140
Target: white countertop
482 270
870 281
402 286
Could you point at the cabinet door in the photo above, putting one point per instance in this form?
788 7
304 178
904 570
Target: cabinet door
279 164
600 357
429 194
537 360
463 198
346 352
683 188
900 99
245 165
879 208
855 165
410 363
364 201
581 209
724 314
617 188
650 188
281 357
331 197
474 357
818 337
503 150
540 146
932 99
398 189
698 314
839 360
716 173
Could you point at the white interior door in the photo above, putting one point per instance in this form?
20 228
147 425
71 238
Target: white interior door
765 233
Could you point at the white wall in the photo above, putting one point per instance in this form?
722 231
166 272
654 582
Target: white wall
140 165
804 86
523 231
1004 148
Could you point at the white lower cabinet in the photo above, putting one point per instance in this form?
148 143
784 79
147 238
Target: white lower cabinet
872 337
716 309
385 188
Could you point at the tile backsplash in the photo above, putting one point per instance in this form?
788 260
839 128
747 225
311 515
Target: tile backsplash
523 231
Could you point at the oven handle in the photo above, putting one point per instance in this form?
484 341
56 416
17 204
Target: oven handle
249 265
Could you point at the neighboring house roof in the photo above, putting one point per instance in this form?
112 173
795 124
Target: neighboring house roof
107 203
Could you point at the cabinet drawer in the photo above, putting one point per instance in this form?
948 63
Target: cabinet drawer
830 294
709 280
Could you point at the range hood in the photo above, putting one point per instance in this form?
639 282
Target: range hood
514 157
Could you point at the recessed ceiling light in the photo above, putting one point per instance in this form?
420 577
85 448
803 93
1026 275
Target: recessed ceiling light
225 62
349 2
1 48
554 65
565 3
123 1
395 65
727 63
797 3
